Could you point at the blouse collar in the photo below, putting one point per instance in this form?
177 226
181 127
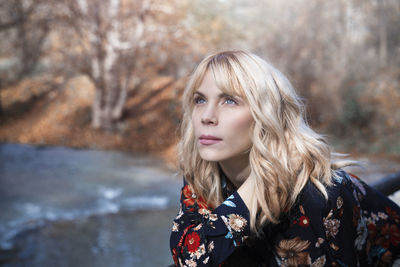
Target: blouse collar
227 186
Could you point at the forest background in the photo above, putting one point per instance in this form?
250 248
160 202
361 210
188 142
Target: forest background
109 74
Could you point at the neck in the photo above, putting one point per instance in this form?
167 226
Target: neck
236 169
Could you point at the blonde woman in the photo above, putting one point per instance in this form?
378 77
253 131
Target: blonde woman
260 188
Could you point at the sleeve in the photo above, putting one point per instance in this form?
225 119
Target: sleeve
204 237
355 226
379 243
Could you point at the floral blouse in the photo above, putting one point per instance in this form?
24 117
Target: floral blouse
356 226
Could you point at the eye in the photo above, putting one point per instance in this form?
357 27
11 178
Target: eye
199 100
230 101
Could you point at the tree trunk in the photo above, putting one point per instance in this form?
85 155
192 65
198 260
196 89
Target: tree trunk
382 34
107 120
119 105
112 58
96 109
106 108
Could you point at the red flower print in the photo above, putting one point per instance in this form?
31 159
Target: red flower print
187 193
189 198
384 239
389 234
304 221
371 231
192 242
394 235
371 227
175 257
393 214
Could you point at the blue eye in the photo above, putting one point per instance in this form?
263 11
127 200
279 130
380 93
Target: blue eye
199 100
230 101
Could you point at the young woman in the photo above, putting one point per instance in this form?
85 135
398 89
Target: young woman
260 186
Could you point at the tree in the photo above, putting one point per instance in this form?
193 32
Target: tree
102 39
24 26
105 40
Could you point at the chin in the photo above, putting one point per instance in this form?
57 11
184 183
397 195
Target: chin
210 156
214 156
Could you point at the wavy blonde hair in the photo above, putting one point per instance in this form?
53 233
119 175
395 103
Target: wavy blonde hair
285 152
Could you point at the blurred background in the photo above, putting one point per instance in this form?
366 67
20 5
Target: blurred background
90 96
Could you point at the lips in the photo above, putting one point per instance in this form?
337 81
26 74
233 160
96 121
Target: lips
209 139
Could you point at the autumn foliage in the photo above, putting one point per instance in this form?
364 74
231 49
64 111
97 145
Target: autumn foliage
110 74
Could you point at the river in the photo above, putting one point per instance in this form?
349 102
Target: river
70 207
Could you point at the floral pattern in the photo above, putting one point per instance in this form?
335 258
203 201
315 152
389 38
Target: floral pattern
192 239
331 227
192 242
304 221
320 262
356 226
292 252
190 198
235 222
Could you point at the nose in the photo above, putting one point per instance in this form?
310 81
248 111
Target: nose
209 116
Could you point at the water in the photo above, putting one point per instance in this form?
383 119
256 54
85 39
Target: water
62 206
69 207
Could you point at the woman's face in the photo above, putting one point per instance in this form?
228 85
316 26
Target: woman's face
222 123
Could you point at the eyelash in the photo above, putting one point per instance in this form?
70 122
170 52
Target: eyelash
231 99
198 99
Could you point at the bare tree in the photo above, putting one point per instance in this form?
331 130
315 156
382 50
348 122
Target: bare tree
24 26
108 35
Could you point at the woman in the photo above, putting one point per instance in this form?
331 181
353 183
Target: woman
260 188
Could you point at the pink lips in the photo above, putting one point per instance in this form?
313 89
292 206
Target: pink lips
209 139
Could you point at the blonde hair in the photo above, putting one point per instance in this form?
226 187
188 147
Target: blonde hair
285 152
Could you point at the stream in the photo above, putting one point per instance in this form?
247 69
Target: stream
70 207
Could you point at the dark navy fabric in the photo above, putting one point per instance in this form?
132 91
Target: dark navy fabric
355 226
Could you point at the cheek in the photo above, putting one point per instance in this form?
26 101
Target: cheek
241 127
195 120
244 123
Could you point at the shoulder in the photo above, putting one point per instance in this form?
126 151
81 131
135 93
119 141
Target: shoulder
343 185
316 227
354 221
321 214
312 199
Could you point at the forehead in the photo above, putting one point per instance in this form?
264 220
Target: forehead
208 85
217 80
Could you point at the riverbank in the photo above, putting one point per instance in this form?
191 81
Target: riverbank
44 111
55 112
